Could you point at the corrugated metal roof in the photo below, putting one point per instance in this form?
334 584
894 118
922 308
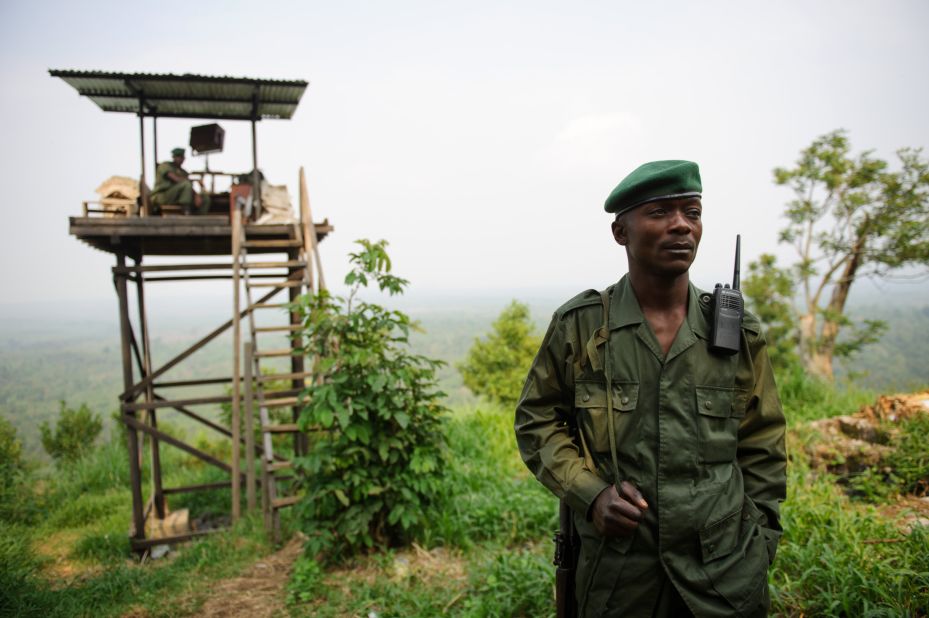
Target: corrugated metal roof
187 96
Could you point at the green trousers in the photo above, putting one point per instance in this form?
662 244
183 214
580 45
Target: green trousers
182 194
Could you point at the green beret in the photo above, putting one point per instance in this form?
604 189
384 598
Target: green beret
178 152
658 180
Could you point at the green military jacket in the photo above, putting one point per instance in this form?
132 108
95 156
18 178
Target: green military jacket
162 182
700 434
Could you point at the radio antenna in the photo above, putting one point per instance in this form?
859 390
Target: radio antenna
735 274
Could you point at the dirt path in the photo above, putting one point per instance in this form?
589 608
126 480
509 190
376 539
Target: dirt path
259 592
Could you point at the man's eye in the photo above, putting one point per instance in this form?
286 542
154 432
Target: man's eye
694 214
657 212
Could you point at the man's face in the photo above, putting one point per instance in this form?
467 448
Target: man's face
178 160
661 237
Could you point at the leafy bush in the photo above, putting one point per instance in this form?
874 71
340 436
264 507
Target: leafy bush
17 501
74 433
496 366
807 398
376 466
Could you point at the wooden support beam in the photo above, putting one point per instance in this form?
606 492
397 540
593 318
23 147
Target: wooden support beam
168 439
186 489
249 430
279 503
135 472
287 283
282 428
173 403
201 382
140 386
236 361
158 496
142 544
268 244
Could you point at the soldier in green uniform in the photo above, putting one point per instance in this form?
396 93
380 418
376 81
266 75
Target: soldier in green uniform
172 186
675 465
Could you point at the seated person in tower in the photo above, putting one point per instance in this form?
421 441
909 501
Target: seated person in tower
172 186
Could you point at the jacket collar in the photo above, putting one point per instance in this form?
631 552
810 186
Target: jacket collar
625 309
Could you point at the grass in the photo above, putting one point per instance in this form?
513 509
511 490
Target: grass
486 550
73 557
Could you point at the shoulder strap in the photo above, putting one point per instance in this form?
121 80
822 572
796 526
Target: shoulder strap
605 298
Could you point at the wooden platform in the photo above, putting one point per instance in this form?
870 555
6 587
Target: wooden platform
190 235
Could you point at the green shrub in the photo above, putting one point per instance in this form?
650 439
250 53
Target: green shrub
370 476
74 433
18 502
496 366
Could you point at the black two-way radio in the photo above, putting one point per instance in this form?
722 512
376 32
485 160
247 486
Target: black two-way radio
728 308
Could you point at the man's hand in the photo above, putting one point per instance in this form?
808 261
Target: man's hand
617 513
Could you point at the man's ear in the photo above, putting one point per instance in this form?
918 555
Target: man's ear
620 231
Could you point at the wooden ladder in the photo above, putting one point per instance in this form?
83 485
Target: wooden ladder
261 275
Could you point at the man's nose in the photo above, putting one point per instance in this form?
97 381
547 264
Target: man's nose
680 224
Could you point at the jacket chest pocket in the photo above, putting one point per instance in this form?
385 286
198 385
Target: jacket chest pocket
718 416
591 408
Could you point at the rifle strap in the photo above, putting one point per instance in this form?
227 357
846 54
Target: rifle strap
605 298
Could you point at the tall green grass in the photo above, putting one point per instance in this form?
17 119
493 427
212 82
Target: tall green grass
841 558
805 398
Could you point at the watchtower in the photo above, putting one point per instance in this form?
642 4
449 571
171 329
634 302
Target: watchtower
270 250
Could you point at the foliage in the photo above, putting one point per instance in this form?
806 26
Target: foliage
839 558
486 493
905 469
807 398
512 584
376 465
769 290
305 580
851 217
16 503
74 433
496 366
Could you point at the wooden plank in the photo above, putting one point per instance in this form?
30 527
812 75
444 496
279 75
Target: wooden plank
269 305
307 216
138 544
288 283
135 472
249 430
236 363
287 264
202 382
282 352
279 465
155 453
283 244
280 503
284 402
173 403
282 428
297 375
167 439
201 487
278 329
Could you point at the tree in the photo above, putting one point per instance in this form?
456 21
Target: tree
851 217
375 465
496 366
74 433
769 294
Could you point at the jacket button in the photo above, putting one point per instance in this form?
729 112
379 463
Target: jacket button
708 404
586 397
624 400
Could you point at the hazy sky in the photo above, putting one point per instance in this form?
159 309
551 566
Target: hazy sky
479 138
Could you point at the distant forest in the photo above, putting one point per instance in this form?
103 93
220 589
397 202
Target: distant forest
45 361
